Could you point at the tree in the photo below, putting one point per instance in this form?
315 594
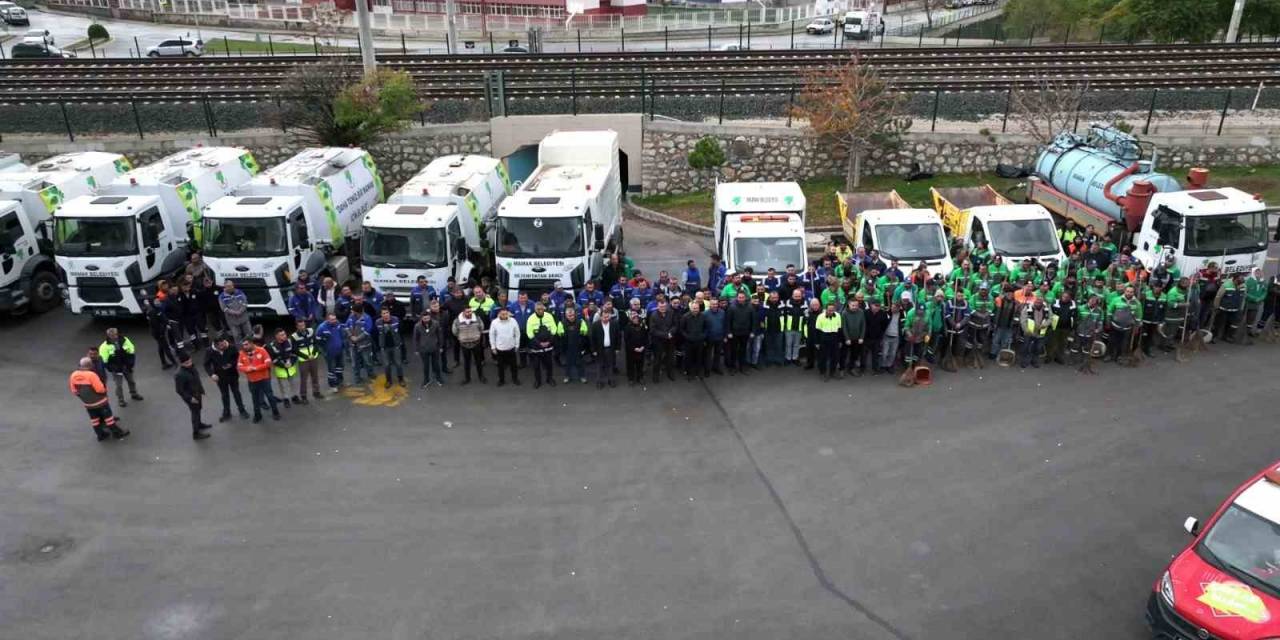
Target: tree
98 32
929 6
852 109
330 104
706 154
326 20
1024 18
1166 20
1047 109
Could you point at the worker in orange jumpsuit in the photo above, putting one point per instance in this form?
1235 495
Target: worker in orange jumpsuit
87 386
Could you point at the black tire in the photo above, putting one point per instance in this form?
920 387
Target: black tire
189 54
153 54
44 293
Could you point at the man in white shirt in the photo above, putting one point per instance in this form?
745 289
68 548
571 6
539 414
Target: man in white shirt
504 340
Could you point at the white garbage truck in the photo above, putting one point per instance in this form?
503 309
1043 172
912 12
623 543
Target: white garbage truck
435 225
113 247
28 273
560 224
759 225
302 214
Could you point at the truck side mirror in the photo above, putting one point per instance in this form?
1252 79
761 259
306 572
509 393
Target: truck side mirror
1192 526
460 246
599 245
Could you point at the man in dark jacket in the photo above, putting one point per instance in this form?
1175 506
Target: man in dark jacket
693 329
220 364
662 332
739 327
606 339
771 324
573 332
187 383
428 342
853 324
158 321
715 315
877 322
635 338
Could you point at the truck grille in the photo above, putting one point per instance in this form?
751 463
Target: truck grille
255 290
99 290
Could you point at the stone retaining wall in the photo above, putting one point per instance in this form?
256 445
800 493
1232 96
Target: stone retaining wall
776 153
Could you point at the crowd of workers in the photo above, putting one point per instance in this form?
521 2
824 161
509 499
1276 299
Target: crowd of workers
848 313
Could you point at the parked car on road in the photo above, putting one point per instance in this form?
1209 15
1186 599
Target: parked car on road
183 47
39 36
515 49
820 26
732 47
38 50
13 14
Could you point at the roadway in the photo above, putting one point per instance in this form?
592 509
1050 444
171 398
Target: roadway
1001 503
68 28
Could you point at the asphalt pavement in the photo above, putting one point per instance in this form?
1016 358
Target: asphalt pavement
994 504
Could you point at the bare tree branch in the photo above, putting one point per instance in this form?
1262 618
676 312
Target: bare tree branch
1047 109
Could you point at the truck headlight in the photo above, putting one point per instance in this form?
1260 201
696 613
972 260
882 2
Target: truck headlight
1166 588
577 277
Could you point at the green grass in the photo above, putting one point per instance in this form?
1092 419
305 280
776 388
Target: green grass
219 46
821 200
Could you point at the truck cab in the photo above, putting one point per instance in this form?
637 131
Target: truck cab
558 227
885 222
435 225
759 225
112 248
28 274
1223 225
1014 231
302 214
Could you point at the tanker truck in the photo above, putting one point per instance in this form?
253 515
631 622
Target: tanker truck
434 225
303 214
1107 175
886 223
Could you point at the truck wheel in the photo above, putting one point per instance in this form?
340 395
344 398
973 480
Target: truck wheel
44 294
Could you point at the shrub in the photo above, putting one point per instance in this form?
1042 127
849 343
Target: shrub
984 131
707 154
98 32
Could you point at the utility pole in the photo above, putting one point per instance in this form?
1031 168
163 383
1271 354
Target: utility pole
1233 30
450 10
366 36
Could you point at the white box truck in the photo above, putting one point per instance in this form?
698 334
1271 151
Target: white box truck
862 24
112 248
759 225
1014 231
435 225
563 221
886 223
302 214
28 273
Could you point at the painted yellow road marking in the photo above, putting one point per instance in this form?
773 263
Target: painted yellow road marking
376 394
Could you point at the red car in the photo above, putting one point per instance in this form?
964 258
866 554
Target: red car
1226 584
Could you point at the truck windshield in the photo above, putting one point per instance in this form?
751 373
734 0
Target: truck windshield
424 248
1023 237
911 242
540 237
94 237
762 253
244 237
853 20
1246 545
1218 235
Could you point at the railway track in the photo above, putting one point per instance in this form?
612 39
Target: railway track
659 73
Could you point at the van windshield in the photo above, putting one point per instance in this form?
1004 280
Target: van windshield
387 247
244 237
911 242
95 237
540 237
762 253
